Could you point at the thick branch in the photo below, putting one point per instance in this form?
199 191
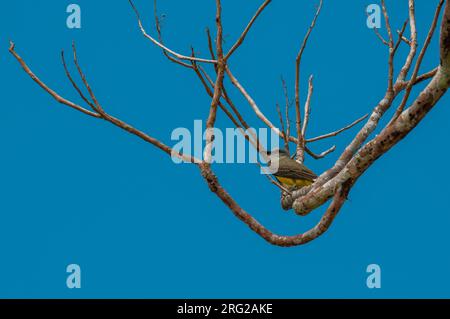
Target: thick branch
284 241
419 61
445 41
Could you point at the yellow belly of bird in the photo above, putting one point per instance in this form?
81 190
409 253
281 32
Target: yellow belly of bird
293 182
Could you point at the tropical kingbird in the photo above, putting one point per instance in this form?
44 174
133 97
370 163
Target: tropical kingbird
290 173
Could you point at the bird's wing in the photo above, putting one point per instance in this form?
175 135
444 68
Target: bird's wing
292 169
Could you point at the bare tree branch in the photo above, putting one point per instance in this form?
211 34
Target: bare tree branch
321 155
284 241
247 29
400 35
98 107
210 44
252 103
266 121
166 49
221 65
298 60
302 142
241 124
345 128
378 34
166 149
158 30
404 39
391 48
285 136
413 42
75 85
286 114
419 62
46 88
308 105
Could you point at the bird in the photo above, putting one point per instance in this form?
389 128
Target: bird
288 172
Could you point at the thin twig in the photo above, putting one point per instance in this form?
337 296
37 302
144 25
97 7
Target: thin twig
55 95
308 105
300 154
75 85
321 155
388 24
404 39
412 42
247 29
98 107
391 49
160 38
378 34
162 46
204 75
298 117
286 111
321 137
285 136
401 85
252 103
210 44
400 35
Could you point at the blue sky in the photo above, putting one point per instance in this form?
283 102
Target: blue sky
77 190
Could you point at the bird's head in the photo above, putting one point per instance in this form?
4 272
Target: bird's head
278 153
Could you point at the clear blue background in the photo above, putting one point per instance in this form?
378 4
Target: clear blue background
77 190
